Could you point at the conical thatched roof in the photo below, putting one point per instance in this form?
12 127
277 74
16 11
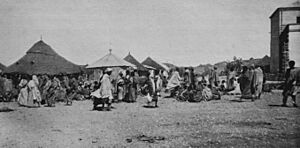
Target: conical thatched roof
42 59
110 60
2 67
150 62
129 58
170 65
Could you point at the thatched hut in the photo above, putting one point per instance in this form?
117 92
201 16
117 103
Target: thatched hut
108 61
42 59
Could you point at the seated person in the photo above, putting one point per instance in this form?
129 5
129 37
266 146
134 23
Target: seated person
223 86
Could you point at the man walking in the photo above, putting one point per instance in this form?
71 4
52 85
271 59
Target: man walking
292 84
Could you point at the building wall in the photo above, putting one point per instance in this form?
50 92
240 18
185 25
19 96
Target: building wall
275 26
283 50
294 46
279 20
289 17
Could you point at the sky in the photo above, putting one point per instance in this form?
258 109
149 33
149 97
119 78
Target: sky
182 32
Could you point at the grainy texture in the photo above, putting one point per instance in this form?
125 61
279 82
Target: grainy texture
223 123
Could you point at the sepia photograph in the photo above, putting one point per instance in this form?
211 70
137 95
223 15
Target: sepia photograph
149 73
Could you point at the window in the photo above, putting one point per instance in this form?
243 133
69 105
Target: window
298 20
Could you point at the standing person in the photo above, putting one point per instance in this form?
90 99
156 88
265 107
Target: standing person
132 88
153 86
8 88
230 80
156 87
120 87
126 85
106 89
294 79
214 77
192 78
288 87
164 77
53 92
258 81
34 95
46 89
137 81
186 76
68 90
245 83
252 80
23 95
2 79
41 82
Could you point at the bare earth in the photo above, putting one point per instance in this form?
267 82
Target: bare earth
222 123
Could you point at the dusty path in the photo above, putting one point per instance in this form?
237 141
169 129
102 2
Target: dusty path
222 123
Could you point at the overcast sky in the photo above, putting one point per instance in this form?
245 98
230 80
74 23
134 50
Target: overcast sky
183 32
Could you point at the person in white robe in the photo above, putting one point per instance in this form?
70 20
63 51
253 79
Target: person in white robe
23 95
105 91
175 80
34 96
258 80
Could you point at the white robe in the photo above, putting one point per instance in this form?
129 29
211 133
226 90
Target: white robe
174 80
23 95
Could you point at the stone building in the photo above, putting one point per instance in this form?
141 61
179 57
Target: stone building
285 38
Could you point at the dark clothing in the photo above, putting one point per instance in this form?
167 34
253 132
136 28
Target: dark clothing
245 84
193 82
132 89
287 85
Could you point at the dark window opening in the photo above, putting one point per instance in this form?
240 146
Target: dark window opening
298 20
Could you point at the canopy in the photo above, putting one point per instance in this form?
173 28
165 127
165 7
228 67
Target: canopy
129 58
110 60
42 59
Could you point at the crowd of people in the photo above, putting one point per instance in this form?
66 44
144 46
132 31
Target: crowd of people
34 91
127 87
45 90
248 83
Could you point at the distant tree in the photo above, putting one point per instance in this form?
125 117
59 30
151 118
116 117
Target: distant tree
236 65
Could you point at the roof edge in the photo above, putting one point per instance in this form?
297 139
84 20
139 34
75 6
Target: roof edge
284 8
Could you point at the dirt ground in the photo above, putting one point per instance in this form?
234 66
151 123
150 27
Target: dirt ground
222 123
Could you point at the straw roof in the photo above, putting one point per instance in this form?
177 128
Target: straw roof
129 58
157 65
42 59
2 67
110 60
170 65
